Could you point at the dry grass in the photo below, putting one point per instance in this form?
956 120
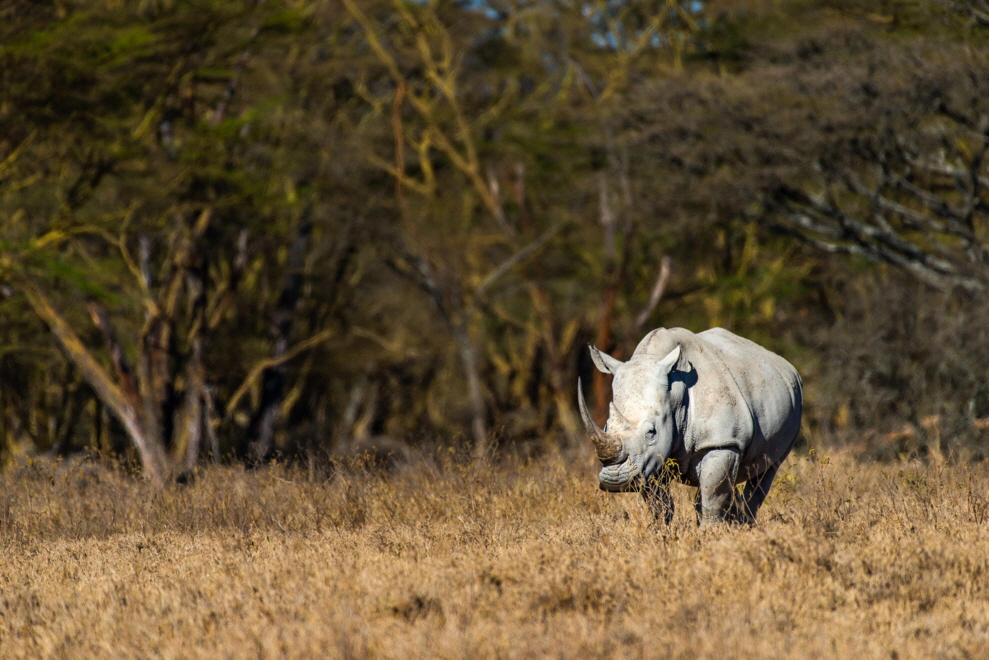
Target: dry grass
849 560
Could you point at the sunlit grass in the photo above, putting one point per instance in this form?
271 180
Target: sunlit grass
444 560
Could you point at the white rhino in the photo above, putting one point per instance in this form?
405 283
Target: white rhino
711 410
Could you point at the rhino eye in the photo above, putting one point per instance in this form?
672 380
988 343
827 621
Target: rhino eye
651 433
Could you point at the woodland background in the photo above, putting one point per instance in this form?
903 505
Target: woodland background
239 231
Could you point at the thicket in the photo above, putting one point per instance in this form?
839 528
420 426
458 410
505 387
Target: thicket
238 230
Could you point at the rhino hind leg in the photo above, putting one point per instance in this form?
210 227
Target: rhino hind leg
756 490
716 472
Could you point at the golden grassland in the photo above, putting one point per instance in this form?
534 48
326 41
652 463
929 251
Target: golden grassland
515 560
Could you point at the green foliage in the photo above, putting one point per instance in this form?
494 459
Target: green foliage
459 170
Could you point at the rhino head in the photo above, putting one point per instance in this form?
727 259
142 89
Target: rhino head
642 420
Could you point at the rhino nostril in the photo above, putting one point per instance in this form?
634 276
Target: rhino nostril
619 458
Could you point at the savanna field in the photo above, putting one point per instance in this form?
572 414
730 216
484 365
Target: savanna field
515 560
242 243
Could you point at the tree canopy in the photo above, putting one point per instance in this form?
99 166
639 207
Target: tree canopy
239 230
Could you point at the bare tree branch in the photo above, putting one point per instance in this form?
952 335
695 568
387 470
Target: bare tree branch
258 369
516 258
665 269
837 231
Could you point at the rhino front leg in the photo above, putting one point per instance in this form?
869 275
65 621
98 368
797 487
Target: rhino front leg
716 472
756 490
656 493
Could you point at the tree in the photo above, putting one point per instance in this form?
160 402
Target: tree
153 193
905 183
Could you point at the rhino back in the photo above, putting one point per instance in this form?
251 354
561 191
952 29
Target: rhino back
744 397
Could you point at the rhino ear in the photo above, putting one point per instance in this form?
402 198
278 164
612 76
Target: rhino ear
605 362
673 360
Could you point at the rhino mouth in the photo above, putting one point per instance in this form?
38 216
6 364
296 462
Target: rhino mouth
622 478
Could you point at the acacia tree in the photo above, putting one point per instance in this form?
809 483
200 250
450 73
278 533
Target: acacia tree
317 226
465 89
426 73
156 220
164 423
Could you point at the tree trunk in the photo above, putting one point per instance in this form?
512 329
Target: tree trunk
149 449
468 358
258 440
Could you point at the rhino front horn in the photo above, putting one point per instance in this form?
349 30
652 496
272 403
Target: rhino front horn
609 448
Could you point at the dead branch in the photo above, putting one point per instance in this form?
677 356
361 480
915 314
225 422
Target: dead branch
118 358
258 369
516 258
821 223
665 270
494 188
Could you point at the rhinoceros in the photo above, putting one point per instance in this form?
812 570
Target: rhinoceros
710 410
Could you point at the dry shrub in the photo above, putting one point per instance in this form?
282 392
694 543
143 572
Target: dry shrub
441 559
901 373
